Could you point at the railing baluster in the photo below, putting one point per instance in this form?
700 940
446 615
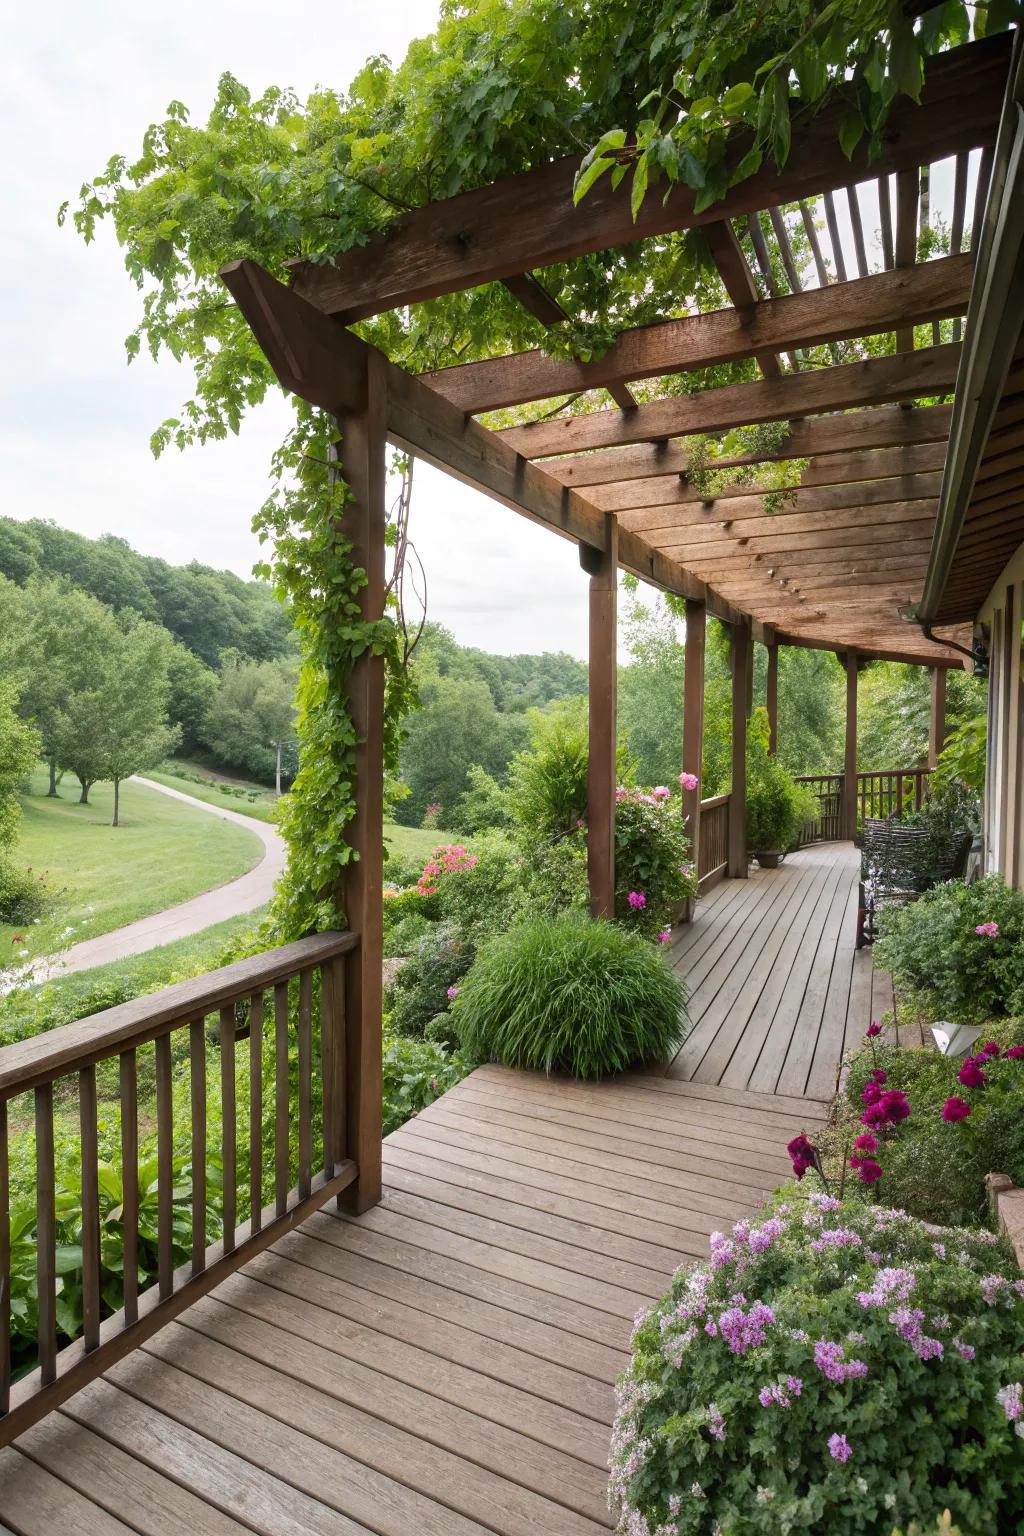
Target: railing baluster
256 1112
281 1115
46 1234
5 1263
332 1062
90 1209
228 1121
305 1058
164 1167
197 1089
128 1085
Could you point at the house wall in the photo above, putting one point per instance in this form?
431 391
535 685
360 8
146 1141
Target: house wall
1001 619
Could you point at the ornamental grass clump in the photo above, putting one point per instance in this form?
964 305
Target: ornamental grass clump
834 1367
568 994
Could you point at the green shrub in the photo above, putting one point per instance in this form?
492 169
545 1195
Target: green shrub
416 1072
486 894
23 893
933 951
548 783
554 874
835 1368
777 807
934 1168
400 870
419 989
566 994
409 903
483 805
653 875
402 937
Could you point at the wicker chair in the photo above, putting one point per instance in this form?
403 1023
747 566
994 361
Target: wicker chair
898 863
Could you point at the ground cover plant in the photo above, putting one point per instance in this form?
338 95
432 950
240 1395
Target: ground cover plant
834 1367
568 994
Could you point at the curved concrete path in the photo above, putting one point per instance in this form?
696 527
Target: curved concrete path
245 894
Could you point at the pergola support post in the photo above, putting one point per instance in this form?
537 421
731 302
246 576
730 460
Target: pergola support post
937 716
603 566
850 761
360 457
693 719
741 657
772 697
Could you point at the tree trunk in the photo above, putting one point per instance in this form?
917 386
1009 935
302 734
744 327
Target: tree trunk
83 798
52 791
278 774
117 801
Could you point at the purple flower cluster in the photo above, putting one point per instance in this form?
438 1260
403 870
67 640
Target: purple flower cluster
836 1237
839 1448
745 1330
832 1362
890 1285
1011 1401
781 1394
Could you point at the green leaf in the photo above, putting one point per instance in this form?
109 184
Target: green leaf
638 191
906 65
737 97
781 134
748 166
811 73
851 131
597 162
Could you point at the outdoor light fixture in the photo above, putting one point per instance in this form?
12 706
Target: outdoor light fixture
955 1039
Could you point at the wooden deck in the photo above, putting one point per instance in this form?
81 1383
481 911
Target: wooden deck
441 1366
778 990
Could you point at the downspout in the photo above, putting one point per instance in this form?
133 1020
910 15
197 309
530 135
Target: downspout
995 317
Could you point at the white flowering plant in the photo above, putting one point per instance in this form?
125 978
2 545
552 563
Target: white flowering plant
833 1367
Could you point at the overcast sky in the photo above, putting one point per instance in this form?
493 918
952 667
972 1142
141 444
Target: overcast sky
79 83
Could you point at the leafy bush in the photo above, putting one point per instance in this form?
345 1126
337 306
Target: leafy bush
935 952
483 804
566 994
398 905
653 875
419 989
962 759
400 870
486 895
402 937
554 874
416 1072
548 784
777 807
934 1167
23 893
835 1368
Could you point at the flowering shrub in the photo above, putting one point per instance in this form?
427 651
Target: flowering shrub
834 1367
965 1119
959 950
567 994
449 859
653 875
418 991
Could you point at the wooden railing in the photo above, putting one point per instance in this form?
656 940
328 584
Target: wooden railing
713 842
237 1146
880 793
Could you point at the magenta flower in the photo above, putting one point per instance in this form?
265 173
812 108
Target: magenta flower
955 1108
660 792
988 930
637 900
868 1171
839 1448
689 781
971 1075
888 1109
665 936
871 1093
866 1143
1014 1053
802 1155
873 1029
991 1049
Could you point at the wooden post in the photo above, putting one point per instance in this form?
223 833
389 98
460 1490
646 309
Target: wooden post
741 655
693 719
603 566
937 719
772 697
850 765
361 462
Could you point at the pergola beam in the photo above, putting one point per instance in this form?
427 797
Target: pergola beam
664 502
690 522
529 221
875 381
863 307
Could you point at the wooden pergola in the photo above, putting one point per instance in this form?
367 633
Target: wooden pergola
863 539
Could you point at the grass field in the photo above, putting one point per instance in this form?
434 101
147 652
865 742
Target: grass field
105 876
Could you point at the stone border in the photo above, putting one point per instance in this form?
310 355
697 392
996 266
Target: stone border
1007 1204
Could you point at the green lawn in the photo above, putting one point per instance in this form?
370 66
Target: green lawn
414 842
105 876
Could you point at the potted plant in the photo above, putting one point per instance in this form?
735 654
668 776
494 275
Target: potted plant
777 807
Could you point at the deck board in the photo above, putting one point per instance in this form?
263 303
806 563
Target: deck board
445 1364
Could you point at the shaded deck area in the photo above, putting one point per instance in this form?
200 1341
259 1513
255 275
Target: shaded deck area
778 989
444 1364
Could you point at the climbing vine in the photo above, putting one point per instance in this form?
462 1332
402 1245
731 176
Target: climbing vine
776 480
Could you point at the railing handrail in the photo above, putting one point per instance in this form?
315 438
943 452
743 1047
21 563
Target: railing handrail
862 773
715 800
40 1059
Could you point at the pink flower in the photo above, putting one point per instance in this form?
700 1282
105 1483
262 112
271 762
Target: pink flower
689 781
870 1093
866 1143
988 930
868 1171
955 1108
665 936
453 993
873 1029
971 1075
839 1448
660 792
637 900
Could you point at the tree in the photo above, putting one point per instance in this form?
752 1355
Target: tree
894 710
19 749
650 701
118 726
456 727
192 688
250 723
812 707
